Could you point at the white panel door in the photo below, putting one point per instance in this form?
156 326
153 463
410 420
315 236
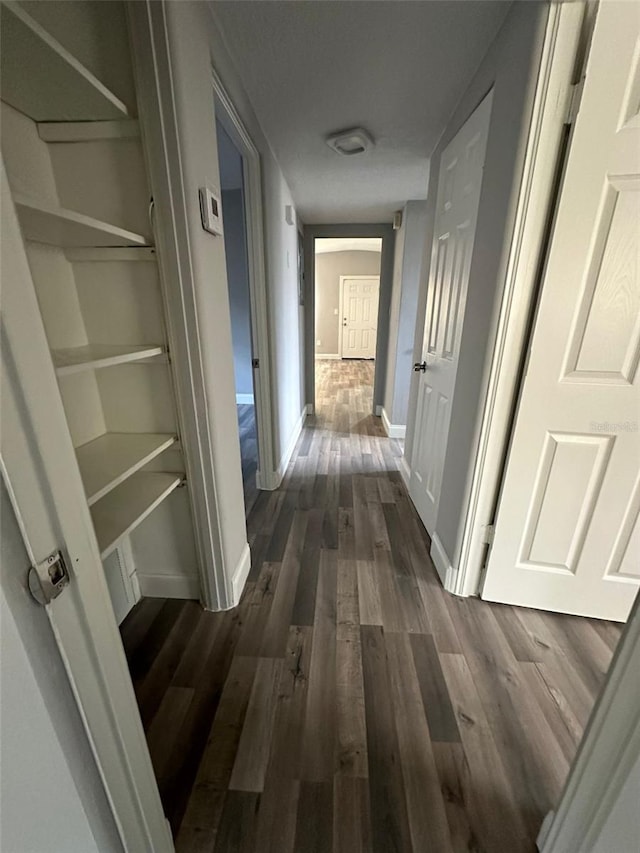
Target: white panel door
359 316
567 536
459 186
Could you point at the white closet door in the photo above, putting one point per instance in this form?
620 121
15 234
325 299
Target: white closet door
459 187
567 536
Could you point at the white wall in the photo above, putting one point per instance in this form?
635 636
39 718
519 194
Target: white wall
51 795
407 276
285 318
510 66
281 246
394 314
329 267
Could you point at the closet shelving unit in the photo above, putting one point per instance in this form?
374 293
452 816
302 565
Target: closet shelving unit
93 356
56 226
67 90
74 159
121 511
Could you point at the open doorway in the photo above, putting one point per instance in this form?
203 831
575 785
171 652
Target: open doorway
346 311
356 252
235 244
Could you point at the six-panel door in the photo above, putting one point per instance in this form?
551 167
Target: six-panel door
457 209
359 316
567 535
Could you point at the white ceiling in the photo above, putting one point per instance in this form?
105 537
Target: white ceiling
347 244
395 67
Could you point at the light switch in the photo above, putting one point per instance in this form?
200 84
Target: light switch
210 211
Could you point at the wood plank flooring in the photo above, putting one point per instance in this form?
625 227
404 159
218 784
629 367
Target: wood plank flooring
349 704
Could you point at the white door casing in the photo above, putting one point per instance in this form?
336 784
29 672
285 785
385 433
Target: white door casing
567 536
459 185
267 476
359 297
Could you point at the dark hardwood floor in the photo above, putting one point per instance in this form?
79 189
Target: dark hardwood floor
349 704
248 453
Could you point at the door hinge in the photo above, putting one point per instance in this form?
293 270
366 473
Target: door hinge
48 578
575 97
489 534
487 539
255 362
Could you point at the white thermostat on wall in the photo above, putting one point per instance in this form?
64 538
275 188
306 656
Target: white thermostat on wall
210 211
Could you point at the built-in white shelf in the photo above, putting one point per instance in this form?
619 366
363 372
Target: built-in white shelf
129 254
94 356
88 131
124 508
56 226
66 90
109 460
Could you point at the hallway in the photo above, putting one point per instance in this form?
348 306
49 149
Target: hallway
350 704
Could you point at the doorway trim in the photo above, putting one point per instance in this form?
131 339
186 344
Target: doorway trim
607 754
384 231
546 143
341 324
228 116
163 149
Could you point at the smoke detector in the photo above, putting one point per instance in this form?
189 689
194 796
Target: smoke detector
354 141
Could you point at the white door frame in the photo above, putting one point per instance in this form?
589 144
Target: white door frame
159 127
226 113
552 102
609 749
340 326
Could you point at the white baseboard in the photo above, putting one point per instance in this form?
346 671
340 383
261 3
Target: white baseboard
379 411
330 355
169 586
440 560
244 399
293 440
405 471
392 430
239 577
271 480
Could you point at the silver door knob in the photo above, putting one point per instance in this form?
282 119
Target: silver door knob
420 366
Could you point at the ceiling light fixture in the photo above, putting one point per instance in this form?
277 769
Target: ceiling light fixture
354 141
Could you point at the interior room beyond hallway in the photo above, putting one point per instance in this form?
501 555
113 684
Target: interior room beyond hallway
340 264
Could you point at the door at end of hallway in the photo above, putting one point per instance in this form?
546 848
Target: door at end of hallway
359 296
